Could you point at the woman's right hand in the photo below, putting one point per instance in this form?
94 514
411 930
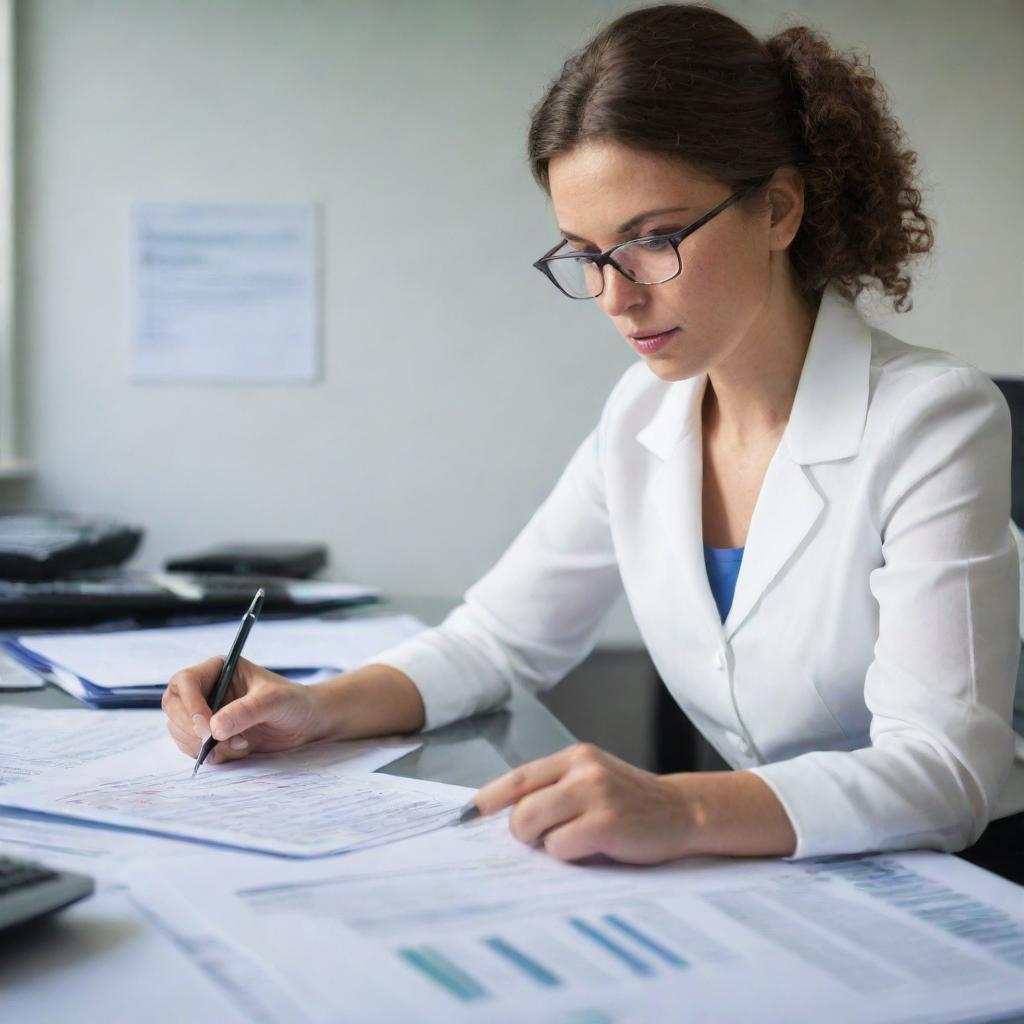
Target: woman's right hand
262 711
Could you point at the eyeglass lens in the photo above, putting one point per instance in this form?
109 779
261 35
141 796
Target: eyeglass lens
645 262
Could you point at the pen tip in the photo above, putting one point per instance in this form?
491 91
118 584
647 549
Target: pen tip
195 770
468 813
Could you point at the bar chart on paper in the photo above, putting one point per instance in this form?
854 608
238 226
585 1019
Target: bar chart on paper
489 933
574 951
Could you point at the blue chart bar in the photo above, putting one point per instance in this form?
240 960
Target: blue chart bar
635 964
442 971
525 963
645 940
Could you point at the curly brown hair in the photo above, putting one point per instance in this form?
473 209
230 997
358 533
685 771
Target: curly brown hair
687 81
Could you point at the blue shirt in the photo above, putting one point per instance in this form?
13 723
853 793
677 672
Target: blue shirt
723 565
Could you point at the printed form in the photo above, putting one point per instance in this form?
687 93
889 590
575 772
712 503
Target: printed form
34 741
313 801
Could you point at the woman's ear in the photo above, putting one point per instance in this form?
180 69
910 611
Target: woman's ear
785 192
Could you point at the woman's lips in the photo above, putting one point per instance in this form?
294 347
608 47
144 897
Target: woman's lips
648 344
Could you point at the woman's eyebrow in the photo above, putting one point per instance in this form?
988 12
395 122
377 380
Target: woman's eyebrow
630 224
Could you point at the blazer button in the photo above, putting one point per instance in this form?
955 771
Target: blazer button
740 743
719 659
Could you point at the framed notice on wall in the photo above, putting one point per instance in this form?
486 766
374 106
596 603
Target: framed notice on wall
226 293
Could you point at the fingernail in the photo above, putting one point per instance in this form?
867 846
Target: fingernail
201 726
238 743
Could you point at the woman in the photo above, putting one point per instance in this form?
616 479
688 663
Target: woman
723 200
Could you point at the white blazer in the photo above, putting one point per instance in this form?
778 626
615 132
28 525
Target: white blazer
867 665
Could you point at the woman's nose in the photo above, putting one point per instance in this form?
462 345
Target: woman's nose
619 293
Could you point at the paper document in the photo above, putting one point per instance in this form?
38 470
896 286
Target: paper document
80 846
465 925
99 851
149 657
312 801
34 741
226 292
115 964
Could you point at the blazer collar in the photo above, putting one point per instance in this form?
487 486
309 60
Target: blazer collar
830 406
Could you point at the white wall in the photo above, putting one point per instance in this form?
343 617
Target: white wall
456 388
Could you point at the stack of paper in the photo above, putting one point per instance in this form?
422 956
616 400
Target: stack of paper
130 668
466 925
460 924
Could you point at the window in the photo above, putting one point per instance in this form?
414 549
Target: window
9 464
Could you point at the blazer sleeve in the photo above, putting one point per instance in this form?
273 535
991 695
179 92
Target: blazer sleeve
536 614
940 687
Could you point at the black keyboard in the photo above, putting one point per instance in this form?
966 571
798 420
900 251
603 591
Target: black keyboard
29 890
147 597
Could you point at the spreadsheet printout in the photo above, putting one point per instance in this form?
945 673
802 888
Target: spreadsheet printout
465 924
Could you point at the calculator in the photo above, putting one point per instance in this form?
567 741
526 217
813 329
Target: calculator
29 890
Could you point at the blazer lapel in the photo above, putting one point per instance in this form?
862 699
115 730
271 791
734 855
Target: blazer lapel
677 493
787 509
674 435
825 424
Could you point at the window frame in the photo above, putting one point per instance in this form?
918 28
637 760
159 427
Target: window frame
10 463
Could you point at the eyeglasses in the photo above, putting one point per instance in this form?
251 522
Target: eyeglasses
653 259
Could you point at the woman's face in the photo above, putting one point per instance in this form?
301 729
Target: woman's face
604 193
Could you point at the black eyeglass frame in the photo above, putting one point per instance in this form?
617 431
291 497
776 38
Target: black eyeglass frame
606 258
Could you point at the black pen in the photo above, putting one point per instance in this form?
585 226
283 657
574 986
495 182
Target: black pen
467 813
221 689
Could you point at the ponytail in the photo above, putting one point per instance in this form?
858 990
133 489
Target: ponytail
863 219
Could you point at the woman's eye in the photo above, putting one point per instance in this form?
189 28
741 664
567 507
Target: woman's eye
656 244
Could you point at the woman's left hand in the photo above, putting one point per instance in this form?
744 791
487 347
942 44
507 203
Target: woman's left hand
583 801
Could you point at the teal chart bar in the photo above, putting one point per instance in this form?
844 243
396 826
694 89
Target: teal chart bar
525 963
446 974
645 940
634 963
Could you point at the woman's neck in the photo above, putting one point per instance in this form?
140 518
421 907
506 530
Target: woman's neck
750 394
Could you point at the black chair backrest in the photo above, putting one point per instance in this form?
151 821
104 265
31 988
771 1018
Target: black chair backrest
1013 390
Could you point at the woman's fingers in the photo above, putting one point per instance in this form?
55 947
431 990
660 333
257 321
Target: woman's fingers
513 786
519 782
582 837
244 713
544 809
185 696
231 750
185 739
